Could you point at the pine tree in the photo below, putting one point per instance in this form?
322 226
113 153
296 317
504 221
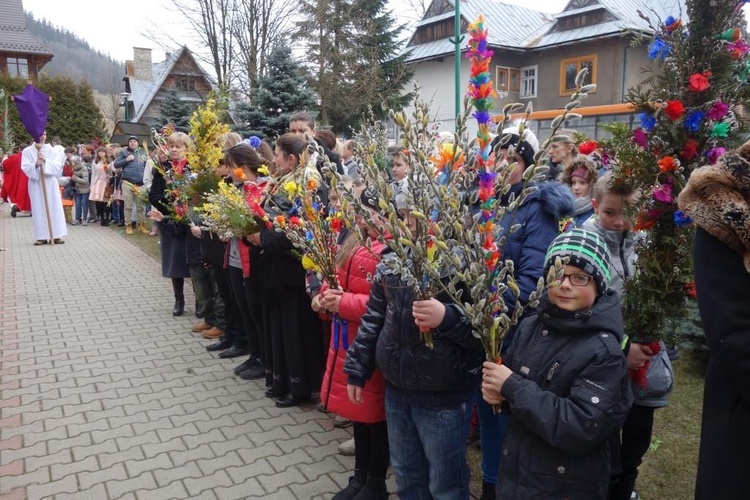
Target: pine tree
175 111
352 48
281 92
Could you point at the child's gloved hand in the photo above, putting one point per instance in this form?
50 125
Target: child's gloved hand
428 313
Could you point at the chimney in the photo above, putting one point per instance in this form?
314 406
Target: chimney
142 64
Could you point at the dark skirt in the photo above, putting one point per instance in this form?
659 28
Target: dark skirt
173 260
293 346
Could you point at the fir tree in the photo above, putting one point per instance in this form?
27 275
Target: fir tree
175 111
352 52
281 92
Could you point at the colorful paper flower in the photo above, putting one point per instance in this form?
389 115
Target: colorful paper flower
682 220
689 150
668 164
671 24
648 121
674 110
643 223
717 111
730 35
239 174
699 81
720 130
663 193
291 188
714 154
588 147
693 120
263 170
640 138
659 49
738 49
312 185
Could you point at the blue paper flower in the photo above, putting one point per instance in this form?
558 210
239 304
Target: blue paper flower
682 220
659 49
693 120
252 141
648 122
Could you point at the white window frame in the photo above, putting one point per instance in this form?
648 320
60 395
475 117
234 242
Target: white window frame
522 94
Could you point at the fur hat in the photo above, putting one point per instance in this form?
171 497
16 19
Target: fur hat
584 250
580 166
717 198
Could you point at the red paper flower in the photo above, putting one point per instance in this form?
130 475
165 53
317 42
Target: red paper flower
588 147
644 223
690 290
699 81
674 110
668 164
689 150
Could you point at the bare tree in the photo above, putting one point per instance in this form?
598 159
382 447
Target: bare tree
259 26
111 104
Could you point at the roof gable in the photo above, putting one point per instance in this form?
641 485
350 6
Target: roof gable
14 35
144 91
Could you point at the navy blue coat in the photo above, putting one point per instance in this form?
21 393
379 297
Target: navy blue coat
538 220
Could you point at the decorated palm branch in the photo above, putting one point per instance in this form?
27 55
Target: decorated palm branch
227 213
689 114
310 227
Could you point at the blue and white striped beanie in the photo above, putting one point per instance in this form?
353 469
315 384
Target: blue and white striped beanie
584 250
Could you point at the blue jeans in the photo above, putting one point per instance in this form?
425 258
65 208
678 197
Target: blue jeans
82 207
428 448
491 434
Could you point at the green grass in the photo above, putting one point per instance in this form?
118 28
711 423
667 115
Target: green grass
669 467
149 244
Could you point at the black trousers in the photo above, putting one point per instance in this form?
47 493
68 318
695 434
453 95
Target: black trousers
371 448
636 439
250 328
234 329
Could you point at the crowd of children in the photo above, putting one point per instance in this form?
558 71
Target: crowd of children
568 425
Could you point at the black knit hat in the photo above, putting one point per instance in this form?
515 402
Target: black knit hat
133 138
584 250
523 148
369 198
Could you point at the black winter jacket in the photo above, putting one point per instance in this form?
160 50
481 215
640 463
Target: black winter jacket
388 339
568 395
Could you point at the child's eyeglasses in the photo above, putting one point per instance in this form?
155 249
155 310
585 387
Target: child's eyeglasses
577 279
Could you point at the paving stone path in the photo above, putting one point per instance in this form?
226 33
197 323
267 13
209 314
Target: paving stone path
104 395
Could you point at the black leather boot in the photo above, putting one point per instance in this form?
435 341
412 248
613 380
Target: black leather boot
374 489
488 491
178 285
356 483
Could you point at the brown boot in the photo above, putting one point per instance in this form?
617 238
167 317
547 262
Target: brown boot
213 333
142 229
129 228
201 327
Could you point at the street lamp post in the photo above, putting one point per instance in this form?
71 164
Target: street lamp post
457 40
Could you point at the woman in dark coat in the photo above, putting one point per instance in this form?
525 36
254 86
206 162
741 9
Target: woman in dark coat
172 235
718 200
294 356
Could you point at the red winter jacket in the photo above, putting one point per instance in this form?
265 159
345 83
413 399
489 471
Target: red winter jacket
353 279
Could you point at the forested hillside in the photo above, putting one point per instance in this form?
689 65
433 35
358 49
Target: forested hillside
77 59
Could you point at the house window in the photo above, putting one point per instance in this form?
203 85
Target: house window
435 31
569 68
507 79
18 66
528 81
185 85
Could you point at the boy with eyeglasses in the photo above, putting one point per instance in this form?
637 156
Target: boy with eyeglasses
564 380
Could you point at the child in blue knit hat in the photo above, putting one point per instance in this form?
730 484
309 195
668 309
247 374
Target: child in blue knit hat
564 381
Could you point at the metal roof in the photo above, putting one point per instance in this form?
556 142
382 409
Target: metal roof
14 35
509 26
515 27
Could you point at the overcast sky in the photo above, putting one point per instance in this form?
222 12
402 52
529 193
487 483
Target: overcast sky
116 26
